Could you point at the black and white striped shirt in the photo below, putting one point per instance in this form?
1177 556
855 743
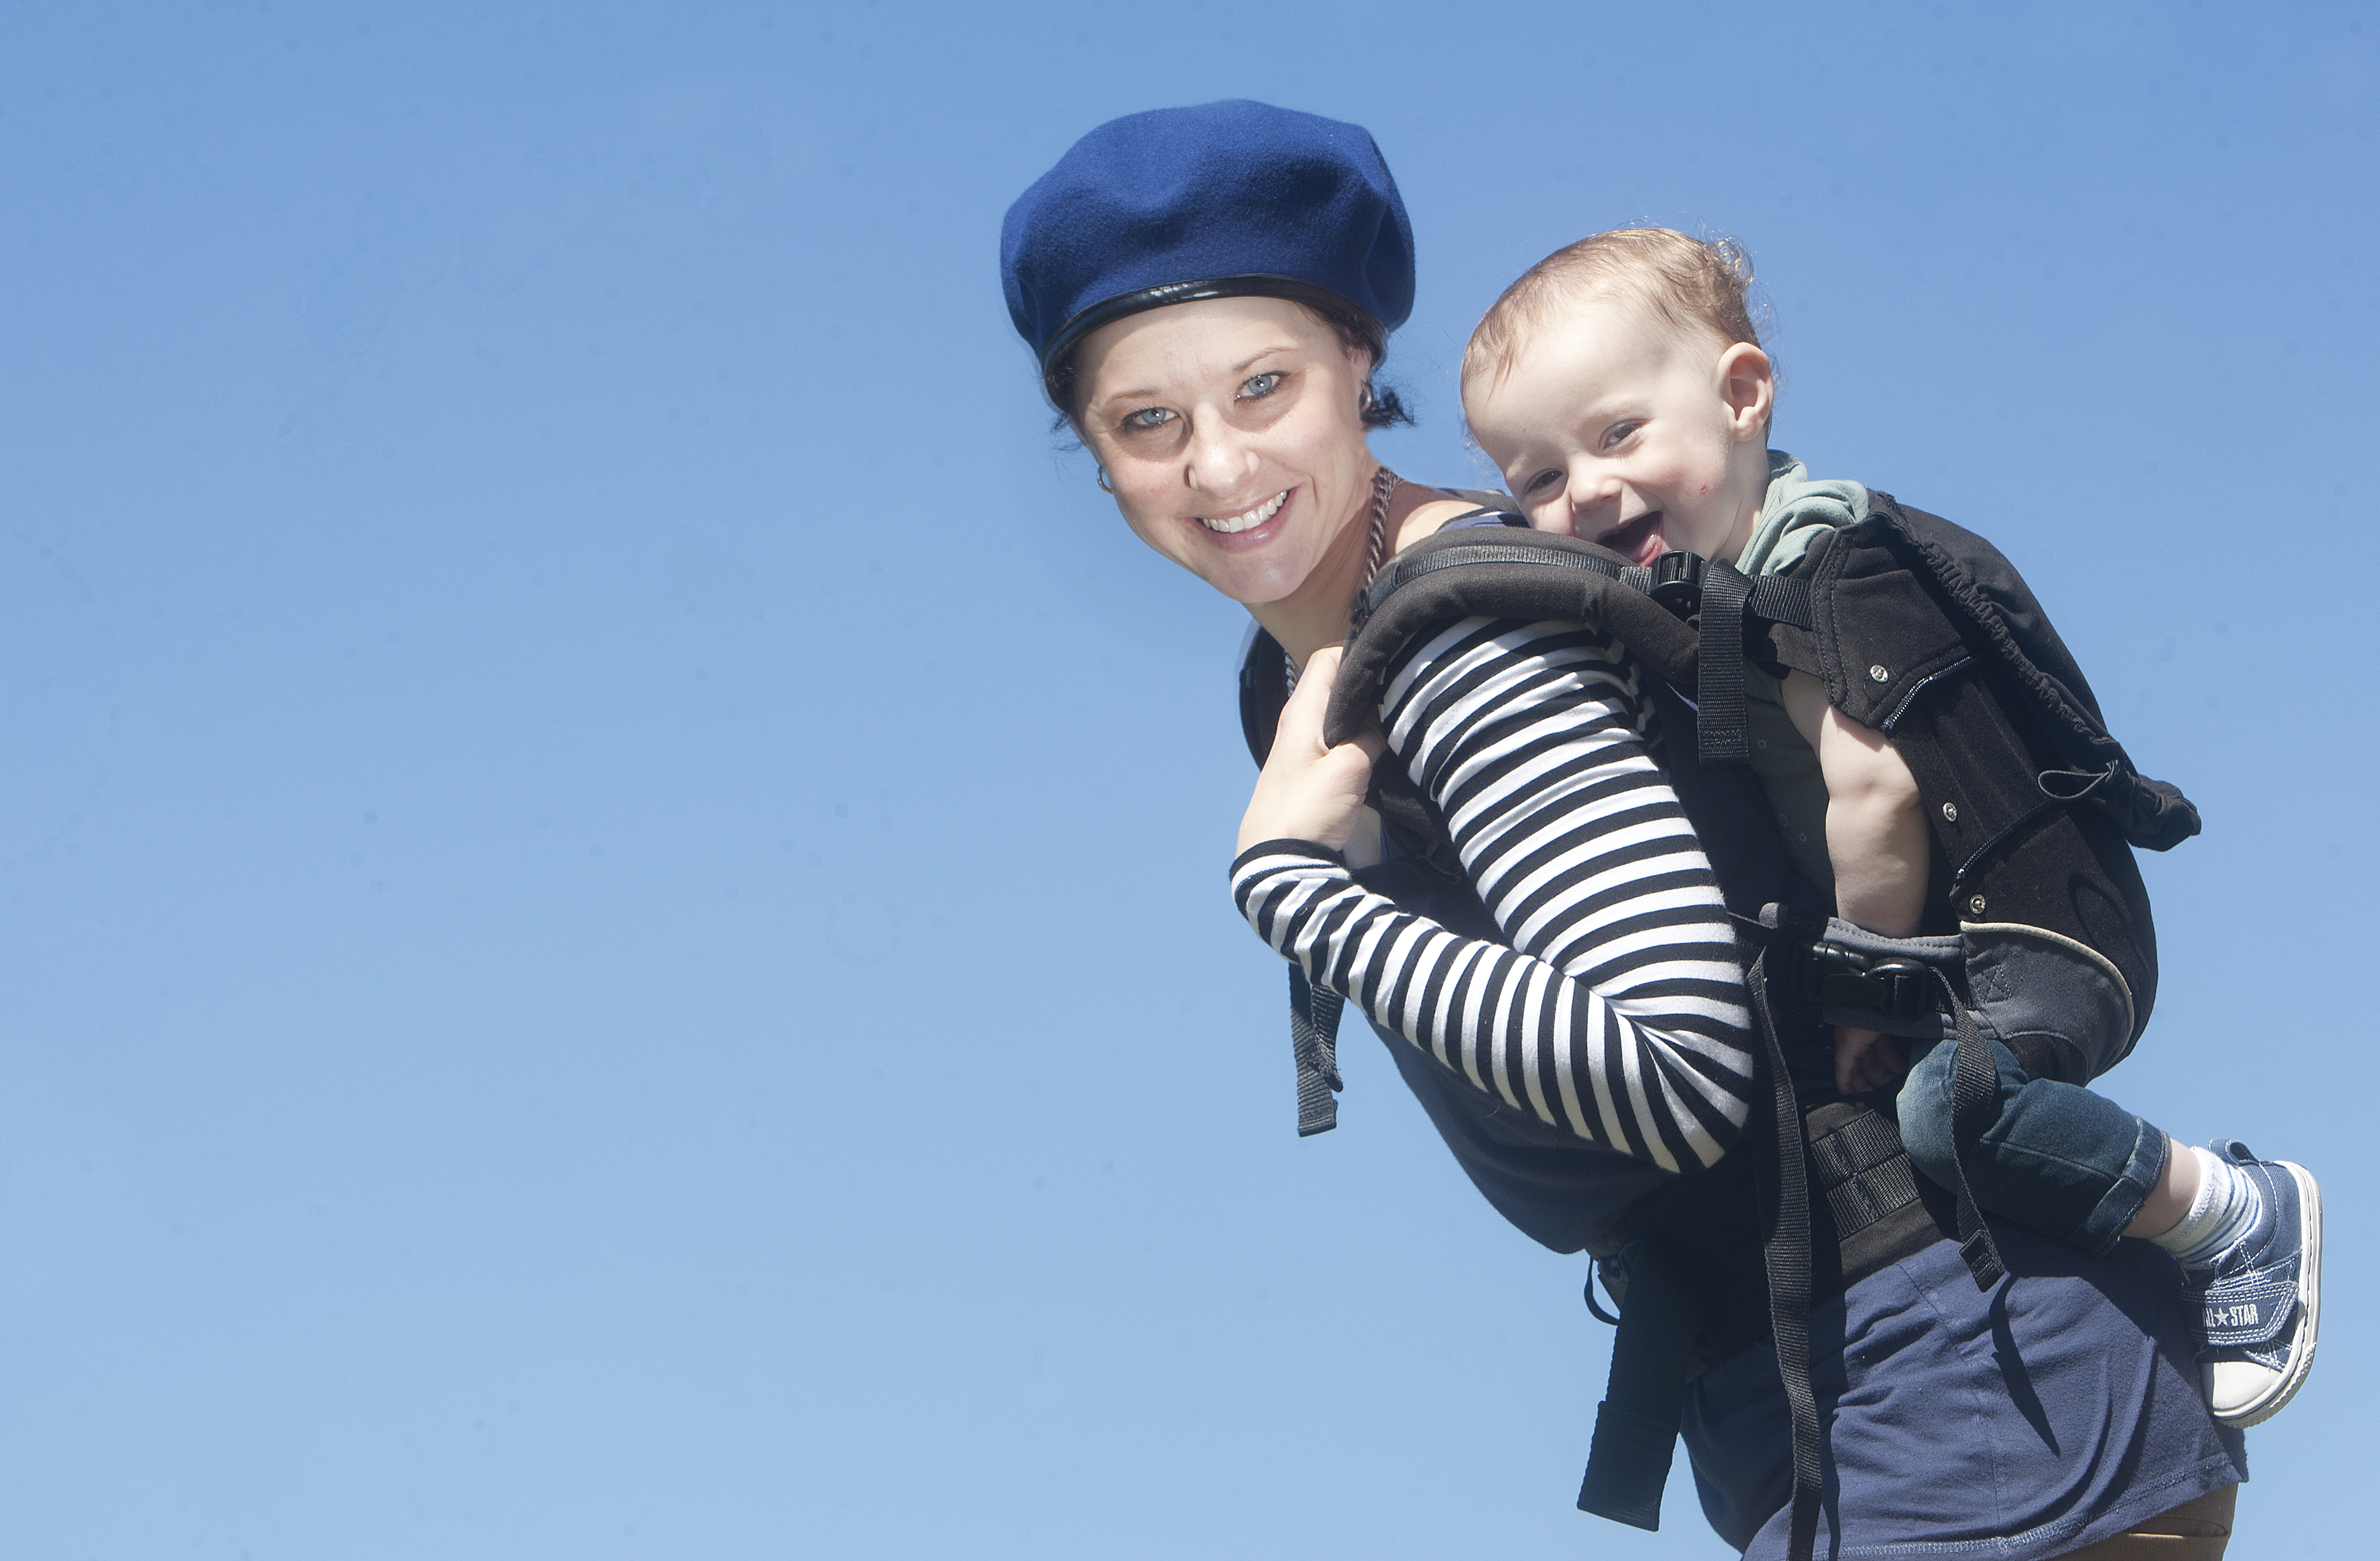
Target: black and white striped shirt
1618 1013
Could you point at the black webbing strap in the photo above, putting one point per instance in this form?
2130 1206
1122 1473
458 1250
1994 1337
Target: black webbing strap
1595 1307
1864 1170
1313 1043
1785 1245
1636 1425
1722 734
1974 1091
1728 599
1776 599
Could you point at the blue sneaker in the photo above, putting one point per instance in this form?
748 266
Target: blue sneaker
2262 1300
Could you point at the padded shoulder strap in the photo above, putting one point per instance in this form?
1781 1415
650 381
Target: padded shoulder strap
1501 573
1686 620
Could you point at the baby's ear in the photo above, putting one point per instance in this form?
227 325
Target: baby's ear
1747 383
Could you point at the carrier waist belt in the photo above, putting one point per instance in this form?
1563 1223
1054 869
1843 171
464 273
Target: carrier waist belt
1678 1318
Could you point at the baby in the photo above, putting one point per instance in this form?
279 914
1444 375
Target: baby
1621 387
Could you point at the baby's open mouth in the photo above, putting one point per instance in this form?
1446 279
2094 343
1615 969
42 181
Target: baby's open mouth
1640 541
1248 521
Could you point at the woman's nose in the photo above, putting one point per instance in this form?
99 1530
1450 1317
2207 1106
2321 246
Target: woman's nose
1220 463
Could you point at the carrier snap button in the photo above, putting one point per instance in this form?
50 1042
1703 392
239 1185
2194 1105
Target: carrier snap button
1950 812
1977 905
1880 674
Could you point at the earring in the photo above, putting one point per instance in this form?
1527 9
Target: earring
1105 486
1367 402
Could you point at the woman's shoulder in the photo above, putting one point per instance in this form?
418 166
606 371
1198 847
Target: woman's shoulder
1435 507
1494 499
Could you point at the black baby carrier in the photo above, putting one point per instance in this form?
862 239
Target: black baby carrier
2038 931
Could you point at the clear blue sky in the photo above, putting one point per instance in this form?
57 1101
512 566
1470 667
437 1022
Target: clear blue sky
560 707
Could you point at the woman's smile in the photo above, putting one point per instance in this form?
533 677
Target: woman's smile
1246 521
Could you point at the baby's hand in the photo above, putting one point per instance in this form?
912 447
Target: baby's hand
1308 791
1864 1060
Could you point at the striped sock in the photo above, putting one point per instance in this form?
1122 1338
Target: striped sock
2226 1209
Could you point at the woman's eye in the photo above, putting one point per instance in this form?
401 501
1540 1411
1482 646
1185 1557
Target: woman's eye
1148 417
1259 384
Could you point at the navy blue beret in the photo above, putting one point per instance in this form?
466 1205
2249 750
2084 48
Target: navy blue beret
1226 200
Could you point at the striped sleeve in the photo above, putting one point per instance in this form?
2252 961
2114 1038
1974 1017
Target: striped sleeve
1618 1012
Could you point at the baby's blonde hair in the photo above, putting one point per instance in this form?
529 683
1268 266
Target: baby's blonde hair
1692 286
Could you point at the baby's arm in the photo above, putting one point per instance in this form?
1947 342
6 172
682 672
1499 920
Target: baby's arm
1876 841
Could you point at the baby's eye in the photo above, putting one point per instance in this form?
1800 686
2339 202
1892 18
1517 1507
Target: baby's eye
1620 432
1259 384
1543 483
1148 417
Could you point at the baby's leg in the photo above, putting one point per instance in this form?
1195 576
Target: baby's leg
2169 1203
2055 1157
2071 1164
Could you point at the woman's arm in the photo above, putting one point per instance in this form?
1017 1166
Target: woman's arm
1618 1013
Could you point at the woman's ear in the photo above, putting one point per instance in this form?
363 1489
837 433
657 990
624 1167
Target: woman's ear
1747 383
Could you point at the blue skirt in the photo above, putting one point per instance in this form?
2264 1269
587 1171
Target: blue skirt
2060 1408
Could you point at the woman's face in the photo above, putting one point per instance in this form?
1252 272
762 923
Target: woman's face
1231 433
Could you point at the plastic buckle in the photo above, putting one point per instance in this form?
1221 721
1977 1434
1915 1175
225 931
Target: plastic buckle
1678 583
1835 976
1819 969
1908 987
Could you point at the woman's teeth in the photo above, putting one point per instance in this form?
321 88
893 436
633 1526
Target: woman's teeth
1233 525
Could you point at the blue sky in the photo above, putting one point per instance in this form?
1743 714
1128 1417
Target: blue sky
611 867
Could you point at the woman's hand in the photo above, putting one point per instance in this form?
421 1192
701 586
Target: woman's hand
1308 791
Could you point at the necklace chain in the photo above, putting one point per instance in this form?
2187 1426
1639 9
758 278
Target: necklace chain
1376 553
1384 488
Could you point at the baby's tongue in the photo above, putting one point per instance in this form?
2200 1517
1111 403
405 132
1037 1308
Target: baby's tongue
1640 540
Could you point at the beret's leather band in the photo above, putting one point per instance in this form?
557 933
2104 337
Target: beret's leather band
1110 309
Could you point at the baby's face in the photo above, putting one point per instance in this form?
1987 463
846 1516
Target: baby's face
1615 428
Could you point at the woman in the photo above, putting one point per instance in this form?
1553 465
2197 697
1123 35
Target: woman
1209 292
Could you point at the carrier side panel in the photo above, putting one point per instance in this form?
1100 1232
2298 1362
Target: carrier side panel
2014 855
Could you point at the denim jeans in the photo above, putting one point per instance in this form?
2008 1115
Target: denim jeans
2056 1157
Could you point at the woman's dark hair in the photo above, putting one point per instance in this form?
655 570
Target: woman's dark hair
1382 407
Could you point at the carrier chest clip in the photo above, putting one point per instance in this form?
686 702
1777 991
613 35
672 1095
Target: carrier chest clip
1834 978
